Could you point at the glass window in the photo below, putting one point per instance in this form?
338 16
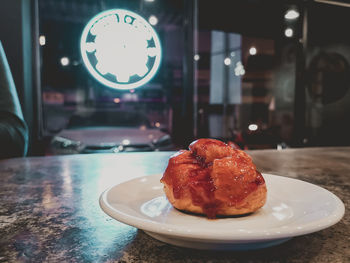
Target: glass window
246 74
73 99
260 74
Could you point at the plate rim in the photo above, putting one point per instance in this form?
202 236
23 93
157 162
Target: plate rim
182 232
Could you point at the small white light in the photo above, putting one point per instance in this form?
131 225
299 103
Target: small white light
42 40
227 61
291 14
125 142
153 20
288 32
150 1
65 61
116 100
239 69
252 51
196 57
233 54
253 127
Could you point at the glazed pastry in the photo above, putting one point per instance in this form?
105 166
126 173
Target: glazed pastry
212 178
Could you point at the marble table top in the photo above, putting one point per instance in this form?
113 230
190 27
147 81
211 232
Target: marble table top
49 209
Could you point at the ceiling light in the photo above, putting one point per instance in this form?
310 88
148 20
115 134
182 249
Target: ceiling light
252 51
64 61
239 69
42 40
227 61
291 14
288 32
153 20
253 127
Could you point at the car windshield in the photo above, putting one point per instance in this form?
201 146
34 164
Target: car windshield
108 119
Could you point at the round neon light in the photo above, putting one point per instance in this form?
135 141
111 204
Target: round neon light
120 49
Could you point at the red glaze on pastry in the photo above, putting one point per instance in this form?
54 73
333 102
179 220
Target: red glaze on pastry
212 178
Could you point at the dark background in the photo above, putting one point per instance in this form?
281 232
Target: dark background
311 68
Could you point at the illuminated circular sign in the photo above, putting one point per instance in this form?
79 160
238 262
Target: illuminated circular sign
120 49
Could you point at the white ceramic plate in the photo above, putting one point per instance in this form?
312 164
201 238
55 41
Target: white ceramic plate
293 208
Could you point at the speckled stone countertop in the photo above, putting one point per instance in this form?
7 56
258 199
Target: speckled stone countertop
49 209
